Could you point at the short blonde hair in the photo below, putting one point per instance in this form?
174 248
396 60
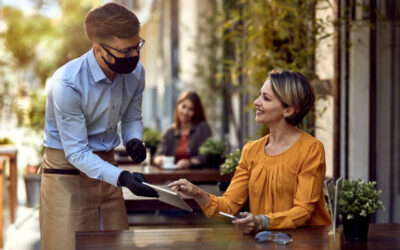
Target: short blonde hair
111 20
293 90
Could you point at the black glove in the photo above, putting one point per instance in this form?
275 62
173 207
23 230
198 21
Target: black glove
136 150
133 181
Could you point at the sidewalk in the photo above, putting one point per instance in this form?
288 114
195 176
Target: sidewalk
24 234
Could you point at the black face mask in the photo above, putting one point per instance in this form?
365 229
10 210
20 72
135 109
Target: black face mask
122 65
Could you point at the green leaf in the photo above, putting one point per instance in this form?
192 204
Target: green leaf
212 147
231 162
151 137
359 198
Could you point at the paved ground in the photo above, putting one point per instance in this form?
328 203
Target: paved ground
24 234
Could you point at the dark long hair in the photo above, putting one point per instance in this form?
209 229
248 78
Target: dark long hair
198 115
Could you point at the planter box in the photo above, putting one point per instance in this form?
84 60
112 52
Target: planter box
32 184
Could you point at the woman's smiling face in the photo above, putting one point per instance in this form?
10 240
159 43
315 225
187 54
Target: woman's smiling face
269 109
185 111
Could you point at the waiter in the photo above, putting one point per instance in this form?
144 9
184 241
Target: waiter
86 100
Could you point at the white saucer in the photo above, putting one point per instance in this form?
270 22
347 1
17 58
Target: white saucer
168 167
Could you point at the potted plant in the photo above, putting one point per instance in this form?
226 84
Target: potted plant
35 123
151 139
358 200
6 141
213 149
33 180
229 167
231 162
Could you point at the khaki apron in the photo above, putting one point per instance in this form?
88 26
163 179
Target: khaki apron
70 203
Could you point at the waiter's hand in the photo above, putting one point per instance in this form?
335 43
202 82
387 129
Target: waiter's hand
136 150
133 181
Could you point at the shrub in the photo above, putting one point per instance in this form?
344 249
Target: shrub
359 198
231 162
5 140
212 147
151 137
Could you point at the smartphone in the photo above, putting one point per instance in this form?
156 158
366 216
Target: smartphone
228 215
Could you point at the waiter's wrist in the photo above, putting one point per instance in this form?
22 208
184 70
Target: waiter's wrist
122 178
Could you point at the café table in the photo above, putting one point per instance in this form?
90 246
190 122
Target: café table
135 203
224 236
206 178
10 176
158 175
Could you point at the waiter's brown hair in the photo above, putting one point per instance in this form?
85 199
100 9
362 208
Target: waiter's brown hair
111 20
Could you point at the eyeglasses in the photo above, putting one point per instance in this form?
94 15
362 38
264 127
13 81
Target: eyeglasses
126 52
277 237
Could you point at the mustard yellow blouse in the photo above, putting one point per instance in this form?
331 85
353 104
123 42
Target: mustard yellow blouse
286 187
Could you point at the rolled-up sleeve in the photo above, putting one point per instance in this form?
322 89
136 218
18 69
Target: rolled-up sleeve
71 125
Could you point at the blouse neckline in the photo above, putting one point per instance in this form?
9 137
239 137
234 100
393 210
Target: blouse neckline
284 152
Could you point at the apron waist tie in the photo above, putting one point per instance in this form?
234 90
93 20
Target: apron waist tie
61 171
41 169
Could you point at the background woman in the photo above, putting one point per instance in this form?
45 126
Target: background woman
282 173
184 137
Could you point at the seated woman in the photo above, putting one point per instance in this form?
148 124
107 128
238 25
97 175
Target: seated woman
183 139
282 173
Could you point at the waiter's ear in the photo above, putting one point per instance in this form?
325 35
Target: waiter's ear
96 48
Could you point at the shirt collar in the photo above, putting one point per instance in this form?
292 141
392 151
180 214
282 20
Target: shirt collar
97 72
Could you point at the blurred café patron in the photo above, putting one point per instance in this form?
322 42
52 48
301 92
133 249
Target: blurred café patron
184 137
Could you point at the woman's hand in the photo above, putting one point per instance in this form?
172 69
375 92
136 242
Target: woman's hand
247 223
187 188
159 160
183 163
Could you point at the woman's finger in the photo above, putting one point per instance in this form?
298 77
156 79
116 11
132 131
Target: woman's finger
244 220
178 182
174 189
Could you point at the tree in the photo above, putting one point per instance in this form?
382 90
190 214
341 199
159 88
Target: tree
22 34
72 33
68 41
38 45
248 38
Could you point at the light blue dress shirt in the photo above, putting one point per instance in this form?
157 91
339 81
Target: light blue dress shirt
83 110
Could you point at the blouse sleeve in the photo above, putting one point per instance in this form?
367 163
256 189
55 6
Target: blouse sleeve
236 194
307 194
